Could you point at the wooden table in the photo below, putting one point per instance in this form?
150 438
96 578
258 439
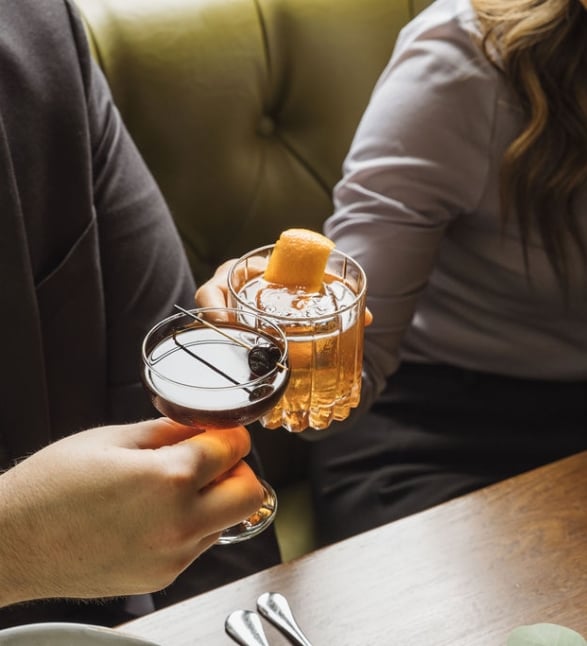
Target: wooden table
463 573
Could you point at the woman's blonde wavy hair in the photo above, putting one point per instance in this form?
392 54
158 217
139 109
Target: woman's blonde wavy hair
541 48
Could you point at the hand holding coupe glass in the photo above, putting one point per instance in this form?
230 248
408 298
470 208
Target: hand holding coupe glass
217 368
119 510
288 351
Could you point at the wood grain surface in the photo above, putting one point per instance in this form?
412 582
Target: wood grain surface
464 573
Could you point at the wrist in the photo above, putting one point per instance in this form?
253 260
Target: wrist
15 574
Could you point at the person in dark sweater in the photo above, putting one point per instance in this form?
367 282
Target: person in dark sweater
90 260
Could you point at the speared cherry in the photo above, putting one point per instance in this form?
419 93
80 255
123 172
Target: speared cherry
263 359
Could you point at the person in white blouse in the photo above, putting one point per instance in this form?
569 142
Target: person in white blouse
464 197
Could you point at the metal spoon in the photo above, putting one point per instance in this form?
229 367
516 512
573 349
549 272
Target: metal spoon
244 626
275 608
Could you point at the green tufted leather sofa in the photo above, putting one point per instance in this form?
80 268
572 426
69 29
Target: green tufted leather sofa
244 110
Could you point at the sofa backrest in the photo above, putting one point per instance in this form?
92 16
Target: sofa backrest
243 109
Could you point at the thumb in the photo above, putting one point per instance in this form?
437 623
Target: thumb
155 433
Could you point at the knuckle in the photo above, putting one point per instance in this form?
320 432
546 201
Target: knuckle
236 444
182 472
200 293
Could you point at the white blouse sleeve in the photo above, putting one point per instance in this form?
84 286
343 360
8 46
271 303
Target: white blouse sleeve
419 160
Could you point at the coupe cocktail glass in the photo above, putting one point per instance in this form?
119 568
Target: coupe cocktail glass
218 368
324 331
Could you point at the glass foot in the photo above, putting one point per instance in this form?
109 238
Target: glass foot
254 524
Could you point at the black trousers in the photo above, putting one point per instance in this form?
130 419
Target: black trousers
438 432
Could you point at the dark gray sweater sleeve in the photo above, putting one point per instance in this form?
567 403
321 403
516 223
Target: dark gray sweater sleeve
144 268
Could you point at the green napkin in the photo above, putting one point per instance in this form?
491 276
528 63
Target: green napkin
545 635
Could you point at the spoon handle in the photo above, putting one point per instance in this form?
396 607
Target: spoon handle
275 608
244 626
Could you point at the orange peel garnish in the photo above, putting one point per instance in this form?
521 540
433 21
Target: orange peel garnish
299 259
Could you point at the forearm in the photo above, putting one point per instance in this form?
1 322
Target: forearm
18 580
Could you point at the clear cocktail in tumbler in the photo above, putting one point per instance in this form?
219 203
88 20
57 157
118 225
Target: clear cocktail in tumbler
324 327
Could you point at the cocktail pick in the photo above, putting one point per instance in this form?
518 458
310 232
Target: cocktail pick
259 356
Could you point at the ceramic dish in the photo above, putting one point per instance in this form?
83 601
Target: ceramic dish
67 634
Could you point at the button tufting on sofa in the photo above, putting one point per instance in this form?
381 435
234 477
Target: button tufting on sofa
190 78
266 126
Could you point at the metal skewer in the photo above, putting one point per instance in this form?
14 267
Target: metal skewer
207 363
222 332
